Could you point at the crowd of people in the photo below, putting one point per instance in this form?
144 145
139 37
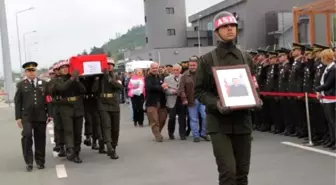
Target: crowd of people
187 91
166 92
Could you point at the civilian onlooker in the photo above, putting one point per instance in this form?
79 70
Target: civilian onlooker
136 91
174 103
328 88
156 101
186 91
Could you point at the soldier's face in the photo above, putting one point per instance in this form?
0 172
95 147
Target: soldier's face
111 67
296 53
261 57
282 58
64 70
227 32
30 73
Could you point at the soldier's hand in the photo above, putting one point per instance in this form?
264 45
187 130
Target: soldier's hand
185 102
259 106
223 110
19 123
75 73
97 78
49 120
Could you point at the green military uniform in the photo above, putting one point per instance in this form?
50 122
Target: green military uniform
108 105
230 131
33 109
93 125
58 126
72 112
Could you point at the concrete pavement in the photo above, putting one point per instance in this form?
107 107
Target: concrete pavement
145 162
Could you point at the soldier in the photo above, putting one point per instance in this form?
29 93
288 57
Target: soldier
71 109
318 119
93 126
108 88
230 130
283 74
32 113
295 86
58 126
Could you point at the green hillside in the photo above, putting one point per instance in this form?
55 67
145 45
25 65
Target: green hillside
134 37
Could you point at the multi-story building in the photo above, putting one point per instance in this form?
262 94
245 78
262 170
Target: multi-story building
262 23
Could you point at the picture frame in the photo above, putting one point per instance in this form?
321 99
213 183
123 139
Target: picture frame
236 87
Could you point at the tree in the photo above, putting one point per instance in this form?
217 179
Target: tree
84 52
109 54
97 50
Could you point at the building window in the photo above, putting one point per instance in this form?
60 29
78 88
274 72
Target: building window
170 10
171 32
145 18
210 25
146 39
196 45
196 28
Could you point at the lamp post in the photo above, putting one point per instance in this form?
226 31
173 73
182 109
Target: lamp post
18 32
6 59
199 35
24 43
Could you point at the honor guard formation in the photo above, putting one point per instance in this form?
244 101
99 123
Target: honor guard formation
186 92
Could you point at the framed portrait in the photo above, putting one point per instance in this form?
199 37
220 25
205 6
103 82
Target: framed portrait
235 86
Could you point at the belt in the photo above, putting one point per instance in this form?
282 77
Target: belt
70 99
107 95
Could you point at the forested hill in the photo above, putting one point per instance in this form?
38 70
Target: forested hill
135 37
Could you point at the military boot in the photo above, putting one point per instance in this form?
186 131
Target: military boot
87 141
94 145
77 159
56 149
111 151
62 152
70 154
102 147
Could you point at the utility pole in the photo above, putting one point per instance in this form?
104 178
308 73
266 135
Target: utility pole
7 68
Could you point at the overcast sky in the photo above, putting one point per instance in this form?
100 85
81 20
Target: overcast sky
67 27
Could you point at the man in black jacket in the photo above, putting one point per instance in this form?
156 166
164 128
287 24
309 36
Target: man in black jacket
156 101
32 113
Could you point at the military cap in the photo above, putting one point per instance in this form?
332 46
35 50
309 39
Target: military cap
253 52
298 46
63 63
319 47
308 50
30 65
272 54
169 65
261 51
283 51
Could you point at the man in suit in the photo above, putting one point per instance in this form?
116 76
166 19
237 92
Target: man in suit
174 104
237 89
32 113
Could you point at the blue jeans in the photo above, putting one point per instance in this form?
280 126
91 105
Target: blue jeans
193 116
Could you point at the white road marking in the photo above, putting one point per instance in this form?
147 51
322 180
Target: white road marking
332 154
52 140
55 154
61 171
51 132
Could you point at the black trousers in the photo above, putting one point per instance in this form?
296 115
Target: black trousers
138 112
329 110
318 120
180 110
73 131
111 127
277 117
38 131
286 115
93 126
58 127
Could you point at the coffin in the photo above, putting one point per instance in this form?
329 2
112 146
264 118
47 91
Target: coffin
88 64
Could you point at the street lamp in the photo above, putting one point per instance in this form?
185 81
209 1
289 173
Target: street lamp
199 35
18 31
24 43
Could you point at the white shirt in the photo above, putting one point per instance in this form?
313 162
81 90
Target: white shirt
139 84
322 82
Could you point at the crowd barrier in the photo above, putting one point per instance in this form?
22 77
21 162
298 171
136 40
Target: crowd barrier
307 96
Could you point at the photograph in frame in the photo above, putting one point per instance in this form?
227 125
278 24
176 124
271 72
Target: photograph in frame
235 87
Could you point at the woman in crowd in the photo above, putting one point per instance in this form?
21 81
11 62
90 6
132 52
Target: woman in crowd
136 91
328 88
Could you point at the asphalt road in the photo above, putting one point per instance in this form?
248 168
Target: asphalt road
145 162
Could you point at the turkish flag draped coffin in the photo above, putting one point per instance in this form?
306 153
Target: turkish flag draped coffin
88 64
